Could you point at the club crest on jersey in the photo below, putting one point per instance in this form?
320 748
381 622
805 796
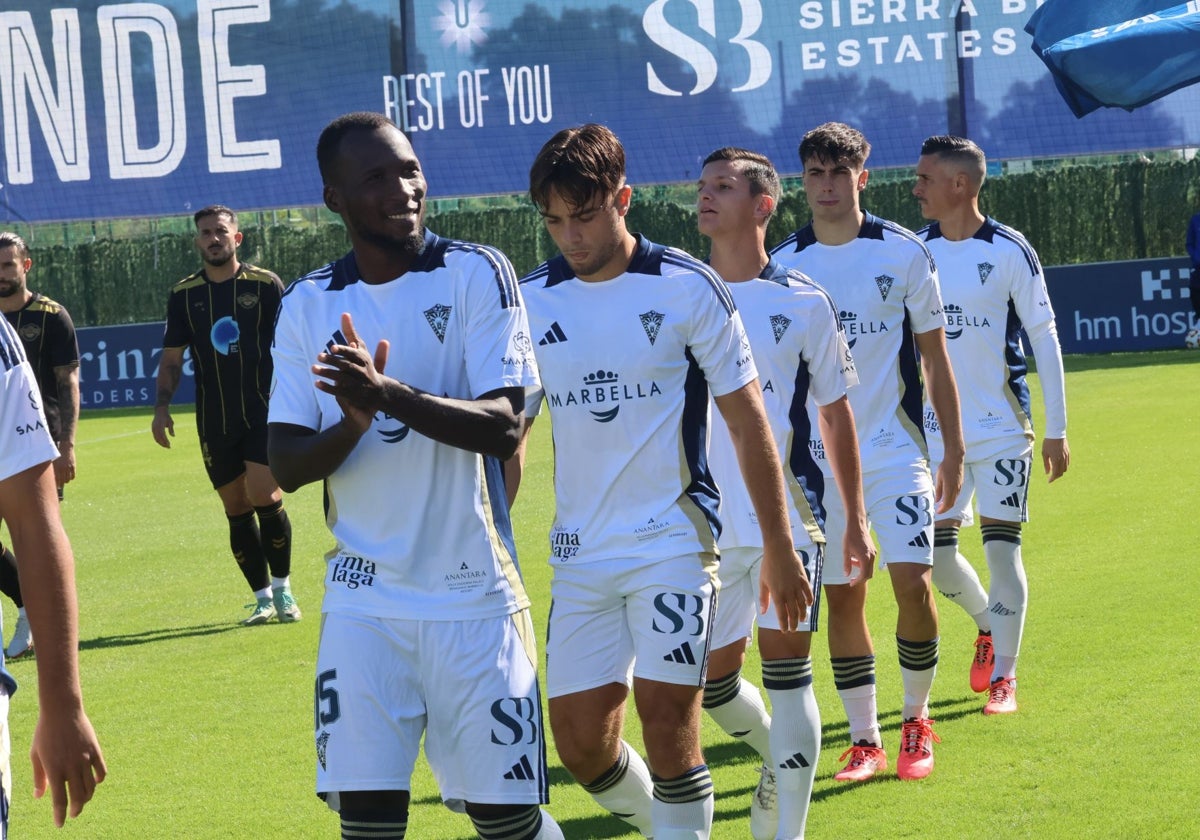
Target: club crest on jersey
779 325
30 332
985 268
247 300
438 317
884 282
652 322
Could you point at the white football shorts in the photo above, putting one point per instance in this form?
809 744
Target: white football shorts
999 481
740 573
899 509
470 687
613 620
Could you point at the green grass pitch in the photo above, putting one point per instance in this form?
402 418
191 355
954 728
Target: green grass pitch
207 726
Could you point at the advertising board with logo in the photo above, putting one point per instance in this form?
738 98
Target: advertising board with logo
138 109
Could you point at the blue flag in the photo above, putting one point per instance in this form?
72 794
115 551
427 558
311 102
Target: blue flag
1117 53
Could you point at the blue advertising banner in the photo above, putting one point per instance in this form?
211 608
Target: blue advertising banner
1122 306
118 366
137 109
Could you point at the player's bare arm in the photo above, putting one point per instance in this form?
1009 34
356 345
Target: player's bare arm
514 467
943 396
66 378
489 424
66 756
170 371
783 578
840 436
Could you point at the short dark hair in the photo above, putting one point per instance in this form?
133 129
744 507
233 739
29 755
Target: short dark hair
579 164
214 210
331 136
759 171
966 153
835 143
8 239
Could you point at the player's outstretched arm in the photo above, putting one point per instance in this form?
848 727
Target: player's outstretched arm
66 754
783 578
838 432
943 396
170 371
489 424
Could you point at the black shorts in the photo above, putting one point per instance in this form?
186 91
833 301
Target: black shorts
225 457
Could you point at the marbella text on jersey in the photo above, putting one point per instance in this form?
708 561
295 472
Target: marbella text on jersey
604 389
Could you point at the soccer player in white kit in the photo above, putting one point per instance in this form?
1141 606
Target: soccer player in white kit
66 756
884 283
992 286
426 627
801 354
630 339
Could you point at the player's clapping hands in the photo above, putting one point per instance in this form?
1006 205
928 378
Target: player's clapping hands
352 376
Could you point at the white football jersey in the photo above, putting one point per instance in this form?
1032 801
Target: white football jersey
799 350
992 286
25 439
422 528
627 365
885 287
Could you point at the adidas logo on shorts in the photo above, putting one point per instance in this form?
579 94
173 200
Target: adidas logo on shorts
522 771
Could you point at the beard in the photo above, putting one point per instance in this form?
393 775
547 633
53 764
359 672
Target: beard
218 260
409 246
7 290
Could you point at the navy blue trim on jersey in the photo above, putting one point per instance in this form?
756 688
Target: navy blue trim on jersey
694 430
799 459
911 400
873 228
648 258
797 241
506 277
493 473
343 273
776 273
1014 359
1005 232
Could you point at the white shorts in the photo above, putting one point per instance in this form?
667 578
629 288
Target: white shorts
612 620
999 482
737 610
469 686
899 509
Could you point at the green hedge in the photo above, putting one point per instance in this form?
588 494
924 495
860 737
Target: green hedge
1073 214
